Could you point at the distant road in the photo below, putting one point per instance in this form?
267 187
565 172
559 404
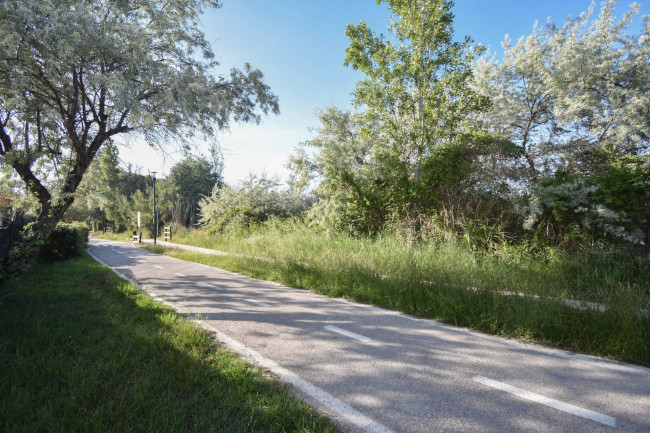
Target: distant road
374 370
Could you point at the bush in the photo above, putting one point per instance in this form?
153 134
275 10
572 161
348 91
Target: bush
612 203
66 240
255 201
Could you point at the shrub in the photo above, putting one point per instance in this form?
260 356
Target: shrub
255 201
612 203
66 240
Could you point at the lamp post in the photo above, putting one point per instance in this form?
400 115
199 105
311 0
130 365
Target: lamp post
155 210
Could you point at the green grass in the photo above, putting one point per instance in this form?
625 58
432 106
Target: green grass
431 280
83 351
617 279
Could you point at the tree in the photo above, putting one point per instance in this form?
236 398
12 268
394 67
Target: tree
353 192
99 198
521 109
76 73
257 199
415 97
575 100
360 189
193 178
570 90
393 159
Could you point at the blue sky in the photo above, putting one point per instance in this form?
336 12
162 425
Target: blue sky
299 46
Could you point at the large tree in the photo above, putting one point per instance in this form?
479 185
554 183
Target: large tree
192 179
415 96
76 73
575 100
393 159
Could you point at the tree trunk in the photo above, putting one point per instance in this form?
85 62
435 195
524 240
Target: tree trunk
32 241
50 214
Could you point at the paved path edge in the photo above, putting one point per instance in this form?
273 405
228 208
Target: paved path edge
342 414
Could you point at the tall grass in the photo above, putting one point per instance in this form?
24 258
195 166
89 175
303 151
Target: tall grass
618 279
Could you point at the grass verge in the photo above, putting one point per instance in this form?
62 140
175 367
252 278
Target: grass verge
83 351
431 281
614 278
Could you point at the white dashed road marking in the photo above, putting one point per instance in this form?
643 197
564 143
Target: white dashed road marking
156 266
260 303
179 274
212 286
555 404
358 419
348 333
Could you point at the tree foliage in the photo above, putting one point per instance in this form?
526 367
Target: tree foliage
351 187
256 200
76 73
549 142
111 197
395 158
416 93
575 100
192 179
104 197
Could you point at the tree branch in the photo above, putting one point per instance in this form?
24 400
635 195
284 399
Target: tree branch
33 183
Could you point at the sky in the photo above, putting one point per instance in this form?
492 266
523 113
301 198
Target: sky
299 45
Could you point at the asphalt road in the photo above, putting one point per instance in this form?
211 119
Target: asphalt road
374 370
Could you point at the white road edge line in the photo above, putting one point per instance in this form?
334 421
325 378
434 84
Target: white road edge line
116 272
179 274
260 303
322 397
332 403
555 404
348 333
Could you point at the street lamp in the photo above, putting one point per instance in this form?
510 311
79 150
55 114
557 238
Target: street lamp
155 210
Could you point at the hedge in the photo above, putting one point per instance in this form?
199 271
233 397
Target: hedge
66 240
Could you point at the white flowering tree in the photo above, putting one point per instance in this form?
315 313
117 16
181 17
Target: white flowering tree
575 100
76 73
